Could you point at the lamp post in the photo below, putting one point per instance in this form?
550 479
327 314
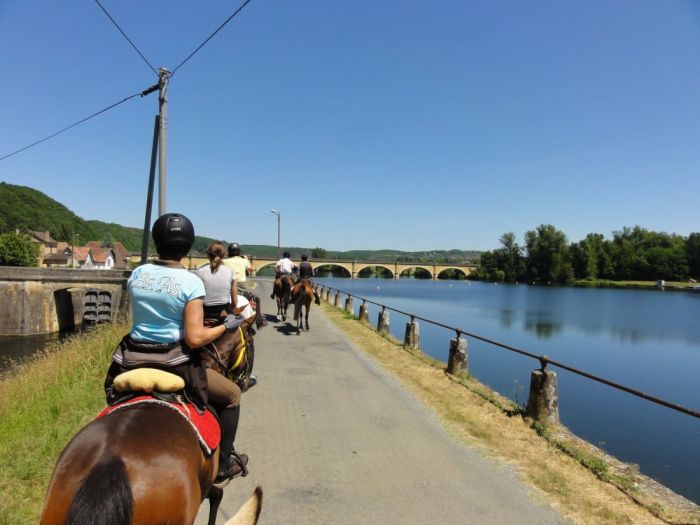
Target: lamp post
275 212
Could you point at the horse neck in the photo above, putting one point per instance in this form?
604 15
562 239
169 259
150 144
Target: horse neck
228 346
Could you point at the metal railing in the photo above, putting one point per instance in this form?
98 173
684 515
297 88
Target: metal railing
543 359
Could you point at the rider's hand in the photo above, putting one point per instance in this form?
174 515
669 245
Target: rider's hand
233 321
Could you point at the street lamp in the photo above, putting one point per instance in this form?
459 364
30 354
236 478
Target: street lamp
275 212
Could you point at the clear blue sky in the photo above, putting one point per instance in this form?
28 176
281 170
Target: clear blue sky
368 124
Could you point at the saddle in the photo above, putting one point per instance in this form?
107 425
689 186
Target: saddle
158 387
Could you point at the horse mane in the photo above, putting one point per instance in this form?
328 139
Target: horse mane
104 496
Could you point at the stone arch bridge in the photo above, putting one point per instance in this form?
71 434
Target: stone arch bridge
354 267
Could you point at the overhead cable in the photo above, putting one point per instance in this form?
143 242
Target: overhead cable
210 36
74 124
125 36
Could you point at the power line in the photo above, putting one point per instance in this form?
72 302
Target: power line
127 38
210 36
73 125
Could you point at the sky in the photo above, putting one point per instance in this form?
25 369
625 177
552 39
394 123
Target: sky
367 124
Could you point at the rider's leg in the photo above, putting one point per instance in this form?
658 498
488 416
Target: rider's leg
227 395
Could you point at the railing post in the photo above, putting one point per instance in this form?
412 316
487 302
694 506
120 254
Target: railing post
457 360
543 401
383 321
364 312
412 334
348 305
326 295
336 302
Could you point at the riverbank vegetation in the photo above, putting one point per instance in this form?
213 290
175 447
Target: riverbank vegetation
633 254
42 404
581 481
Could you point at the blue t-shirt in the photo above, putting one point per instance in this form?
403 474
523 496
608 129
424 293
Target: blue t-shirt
159 294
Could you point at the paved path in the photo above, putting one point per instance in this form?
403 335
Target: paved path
333 439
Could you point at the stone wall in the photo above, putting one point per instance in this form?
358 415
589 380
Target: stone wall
48 300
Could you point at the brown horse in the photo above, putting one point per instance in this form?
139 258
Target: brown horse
302 295
138 465
122 469
281 291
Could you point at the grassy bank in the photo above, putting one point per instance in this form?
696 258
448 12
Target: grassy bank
605 283
573 476
42 404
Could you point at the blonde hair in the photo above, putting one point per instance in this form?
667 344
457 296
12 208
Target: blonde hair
216 252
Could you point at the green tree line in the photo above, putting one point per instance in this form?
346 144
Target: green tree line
633 254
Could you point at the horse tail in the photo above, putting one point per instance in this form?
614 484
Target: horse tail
104 497
300 296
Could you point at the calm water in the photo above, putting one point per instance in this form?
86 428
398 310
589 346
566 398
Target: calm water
645 339
15 350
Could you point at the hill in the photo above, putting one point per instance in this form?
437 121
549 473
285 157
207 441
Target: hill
28 209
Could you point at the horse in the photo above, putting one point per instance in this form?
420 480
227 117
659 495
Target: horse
141 464
281 291
233 353
138 465
302 295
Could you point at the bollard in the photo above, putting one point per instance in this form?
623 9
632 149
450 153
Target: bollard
348 305
383 321
543 401
324 294
327 295
364 312
412 337
336 303
457 360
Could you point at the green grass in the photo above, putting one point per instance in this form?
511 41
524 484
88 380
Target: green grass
42 405
630 284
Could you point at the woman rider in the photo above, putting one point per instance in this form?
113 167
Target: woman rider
167 304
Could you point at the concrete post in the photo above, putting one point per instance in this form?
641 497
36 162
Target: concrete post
348 305
383 321
326 294
543 401
457 360
412 337
364 312
336 303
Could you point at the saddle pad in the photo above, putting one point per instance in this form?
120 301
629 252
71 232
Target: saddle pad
204 425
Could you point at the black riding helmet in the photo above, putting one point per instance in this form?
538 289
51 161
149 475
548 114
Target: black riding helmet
286 255
304 257
173 234
234 249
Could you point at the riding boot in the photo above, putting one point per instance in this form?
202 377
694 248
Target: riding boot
229 426
231 464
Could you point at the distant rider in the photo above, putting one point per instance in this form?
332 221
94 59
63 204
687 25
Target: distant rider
241 267
306 271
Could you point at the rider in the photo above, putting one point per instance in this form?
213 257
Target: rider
219 283
284 266
168 329
241 265
306 271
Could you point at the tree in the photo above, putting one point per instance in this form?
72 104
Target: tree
548 255
318 253
692 253
511 259
18 250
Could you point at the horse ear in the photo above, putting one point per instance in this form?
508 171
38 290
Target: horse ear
249 513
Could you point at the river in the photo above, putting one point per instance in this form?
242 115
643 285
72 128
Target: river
645 339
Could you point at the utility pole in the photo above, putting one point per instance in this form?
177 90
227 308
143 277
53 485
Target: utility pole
163 107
